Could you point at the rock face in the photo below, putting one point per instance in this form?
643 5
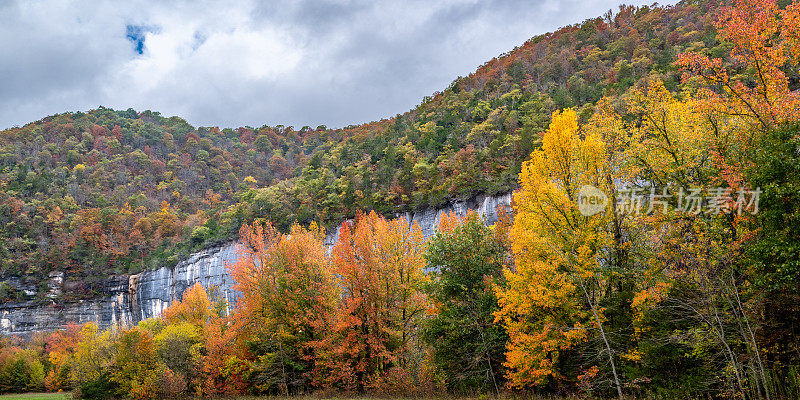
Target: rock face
428 218
26 317
128 299
152 292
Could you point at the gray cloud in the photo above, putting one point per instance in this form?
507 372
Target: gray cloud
332 62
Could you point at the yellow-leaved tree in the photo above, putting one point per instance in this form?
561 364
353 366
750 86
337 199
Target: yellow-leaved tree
549 303
680 143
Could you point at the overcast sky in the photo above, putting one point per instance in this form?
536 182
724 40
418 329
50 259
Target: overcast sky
233 64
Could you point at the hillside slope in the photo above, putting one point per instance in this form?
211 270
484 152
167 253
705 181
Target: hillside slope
105 192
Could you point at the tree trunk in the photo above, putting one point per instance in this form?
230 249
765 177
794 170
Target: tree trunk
605 339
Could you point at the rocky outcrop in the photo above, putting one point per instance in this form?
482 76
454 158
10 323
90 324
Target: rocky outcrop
25 317
153 291
127 299
427 219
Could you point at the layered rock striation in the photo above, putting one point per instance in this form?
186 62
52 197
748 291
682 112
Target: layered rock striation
128 299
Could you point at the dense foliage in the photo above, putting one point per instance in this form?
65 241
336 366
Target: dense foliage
106 192
466 259
679 299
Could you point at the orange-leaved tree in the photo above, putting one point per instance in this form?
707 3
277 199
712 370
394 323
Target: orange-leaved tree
216 367
751 81
60 347
287 291
374 334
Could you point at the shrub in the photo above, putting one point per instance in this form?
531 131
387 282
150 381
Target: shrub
99 389
20 370
200 234
169 384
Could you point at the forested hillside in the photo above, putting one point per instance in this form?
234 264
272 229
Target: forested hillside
105 191
652 252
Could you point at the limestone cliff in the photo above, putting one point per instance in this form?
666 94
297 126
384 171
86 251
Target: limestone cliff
128 299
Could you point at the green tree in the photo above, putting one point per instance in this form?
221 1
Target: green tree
135 364
180 347
20 370
466 259
773 256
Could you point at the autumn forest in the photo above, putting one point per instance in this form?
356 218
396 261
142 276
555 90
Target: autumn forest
689 290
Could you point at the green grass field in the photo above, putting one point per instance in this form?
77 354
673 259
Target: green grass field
37 396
